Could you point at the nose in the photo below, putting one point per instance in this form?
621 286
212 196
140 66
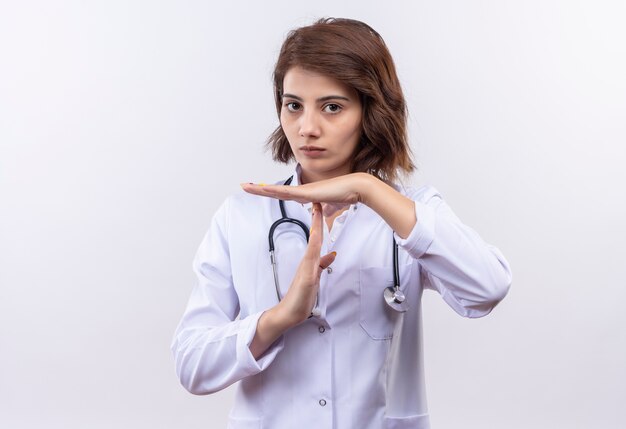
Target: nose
309 124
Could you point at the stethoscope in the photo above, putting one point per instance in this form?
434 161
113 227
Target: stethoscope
392 295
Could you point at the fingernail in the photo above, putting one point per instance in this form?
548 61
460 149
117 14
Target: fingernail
333 253
262 184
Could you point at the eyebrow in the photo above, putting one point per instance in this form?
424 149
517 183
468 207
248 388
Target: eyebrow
325 98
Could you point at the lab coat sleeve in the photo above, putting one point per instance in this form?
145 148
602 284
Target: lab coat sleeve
471 275
210 345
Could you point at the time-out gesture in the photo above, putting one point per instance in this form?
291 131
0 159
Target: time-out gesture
338 192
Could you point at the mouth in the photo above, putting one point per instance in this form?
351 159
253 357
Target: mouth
312 152
309 148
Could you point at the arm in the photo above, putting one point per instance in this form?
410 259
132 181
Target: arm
396 209
210 347
471 275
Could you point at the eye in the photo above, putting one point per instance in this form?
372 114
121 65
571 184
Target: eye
293 106
332 108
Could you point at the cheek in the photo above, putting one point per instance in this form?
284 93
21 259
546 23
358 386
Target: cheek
351 131
289 131
286 123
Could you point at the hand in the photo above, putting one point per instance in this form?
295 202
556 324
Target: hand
334 194
298 302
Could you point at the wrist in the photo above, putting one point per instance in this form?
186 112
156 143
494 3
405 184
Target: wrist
278 318
396 209
366 185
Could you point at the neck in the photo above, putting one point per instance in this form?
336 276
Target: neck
311 177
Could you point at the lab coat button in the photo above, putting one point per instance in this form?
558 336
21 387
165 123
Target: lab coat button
329 270
333 238
322 402
322 329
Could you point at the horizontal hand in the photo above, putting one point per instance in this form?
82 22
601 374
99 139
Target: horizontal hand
333 194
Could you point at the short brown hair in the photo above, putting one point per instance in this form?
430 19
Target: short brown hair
355 54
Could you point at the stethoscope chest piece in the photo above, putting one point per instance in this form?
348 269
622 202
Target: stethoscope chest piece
395 299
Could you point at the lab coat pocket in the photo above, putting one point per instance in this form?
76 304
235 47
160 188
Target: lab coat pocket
244 423
412 422
376 318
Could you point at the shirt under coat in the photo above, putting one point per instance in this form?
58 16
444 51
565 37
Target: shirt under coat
359 364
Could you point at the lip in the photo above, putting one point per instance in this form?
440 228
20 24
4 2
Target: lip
312 151
311 148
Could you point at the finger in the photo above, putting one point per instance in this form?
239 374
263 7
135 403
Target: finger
281 192
328 259
316 235
259 189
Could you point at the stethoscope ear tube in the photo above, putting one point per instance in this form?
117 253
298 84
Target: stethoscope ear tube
273 260
284 219
288 220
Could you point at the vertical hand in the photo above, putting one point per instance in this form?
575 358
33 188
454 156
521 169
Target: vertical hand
298 302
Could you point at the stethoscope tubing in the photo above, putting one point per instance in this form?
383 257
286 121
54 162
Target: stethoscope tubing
276 224
392 295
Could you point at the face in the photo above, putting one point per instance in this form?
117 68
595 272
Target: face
321 118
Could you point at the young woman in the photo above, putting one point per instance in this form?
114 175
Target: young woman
330 335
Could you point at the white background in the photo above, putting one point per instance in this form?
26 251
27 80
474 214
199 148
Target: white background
124 124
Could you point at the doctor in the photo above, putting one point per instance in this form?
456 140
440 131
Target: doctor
313 340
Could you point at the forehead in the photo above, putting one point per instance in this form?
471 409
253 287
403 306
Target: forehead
305 83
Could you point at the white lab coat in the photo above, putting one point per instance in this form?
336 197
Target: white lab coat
357 365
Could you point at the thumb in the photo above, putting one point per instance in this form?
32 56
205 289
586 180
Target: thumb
327 259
